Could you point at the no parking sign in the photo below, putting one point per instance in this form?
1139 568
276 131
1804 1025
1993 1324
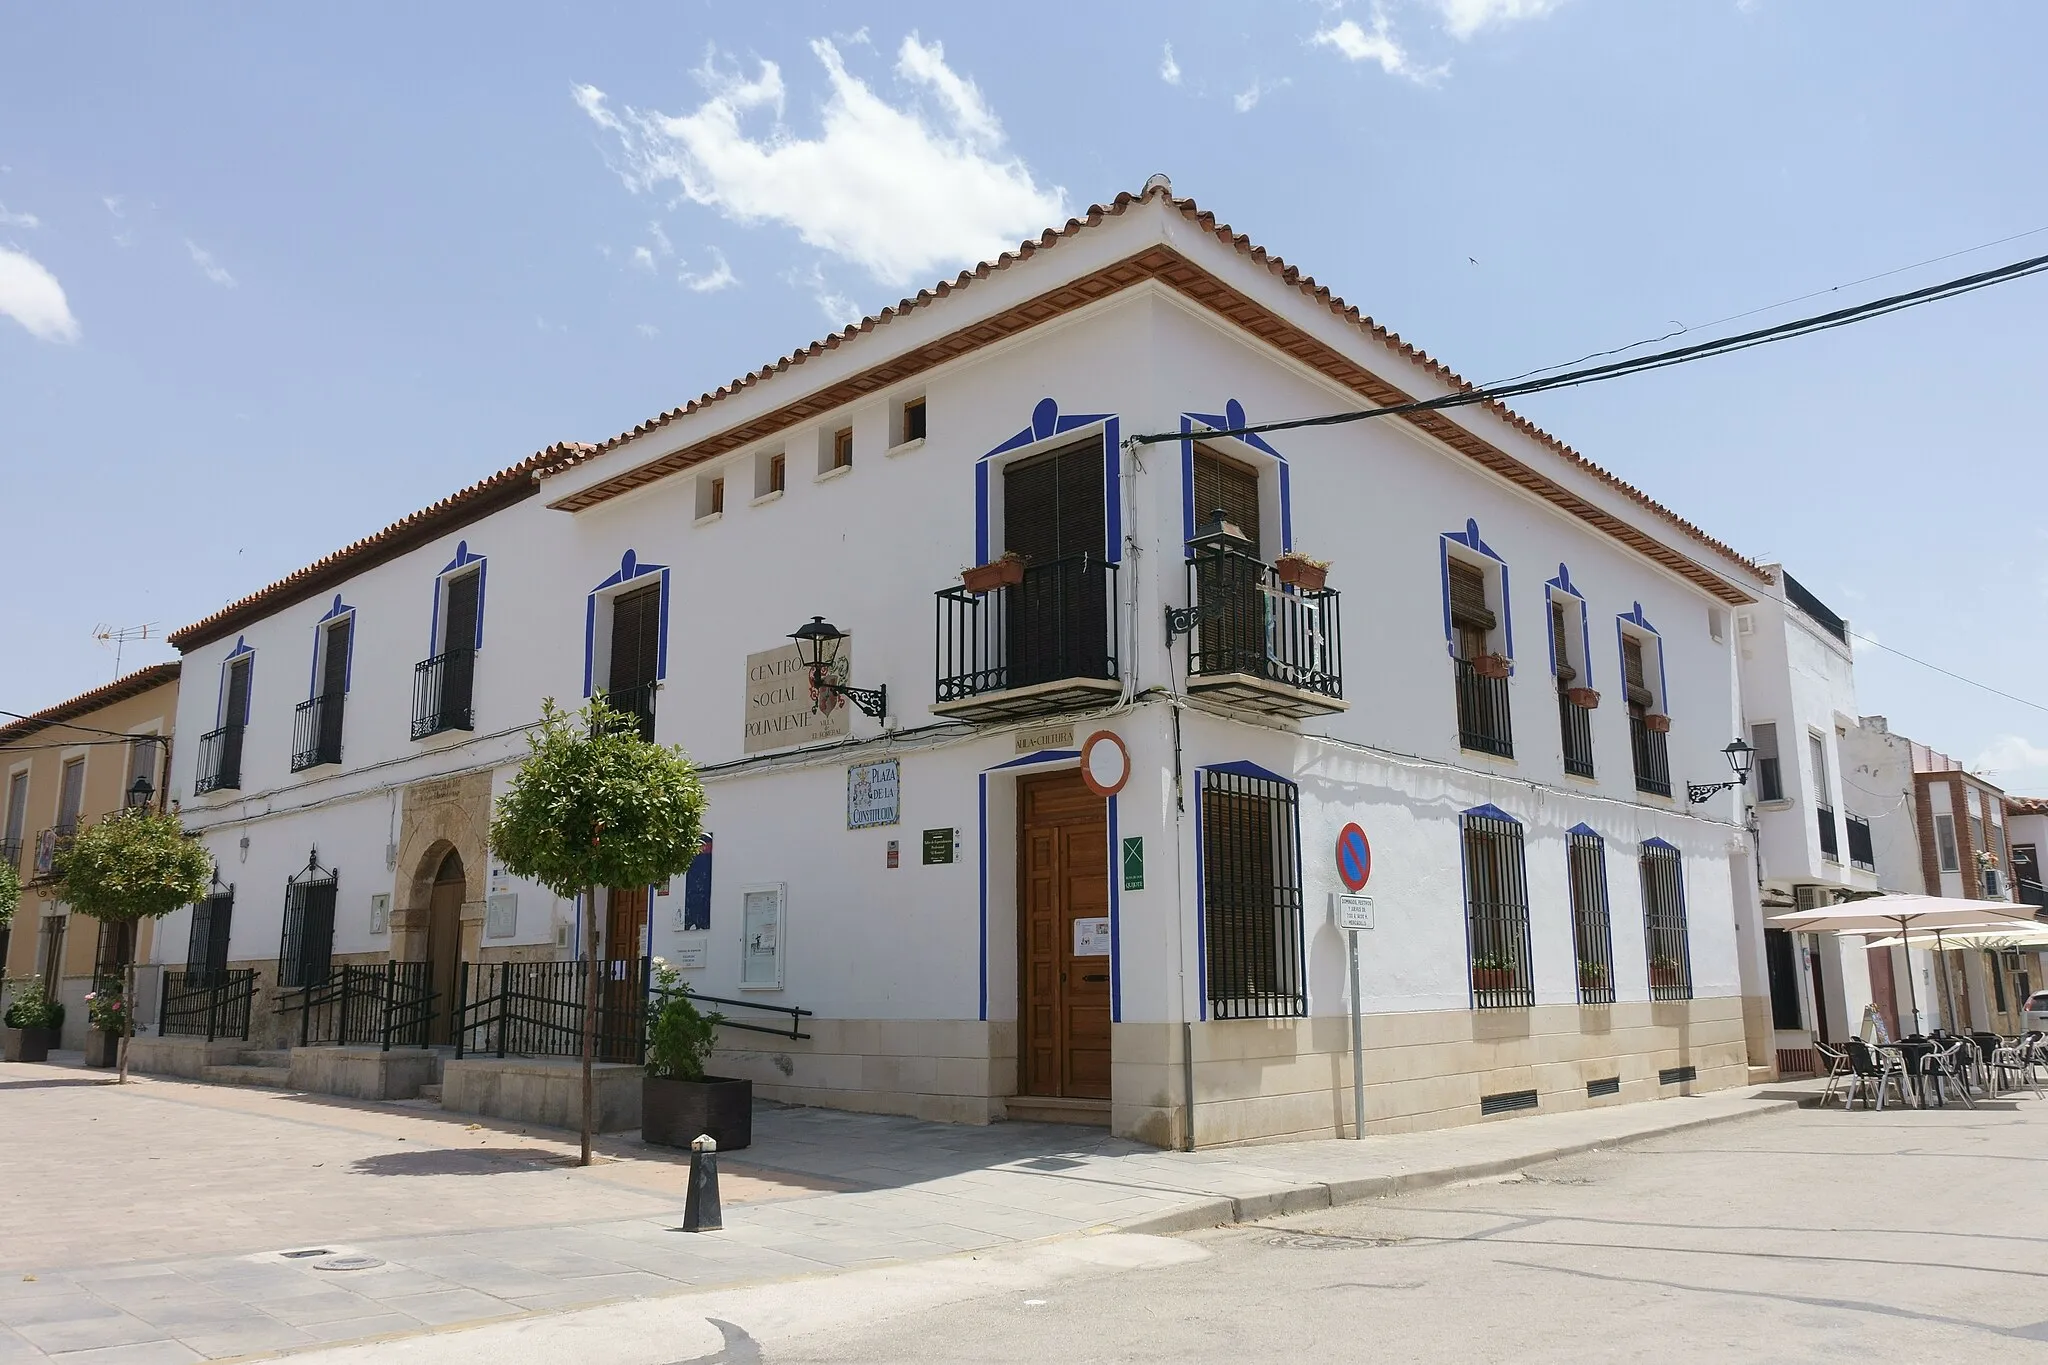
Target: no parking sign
1354 858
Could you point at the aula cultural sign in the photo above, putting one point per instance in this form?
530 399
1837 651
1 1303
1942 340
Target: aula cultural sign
782 709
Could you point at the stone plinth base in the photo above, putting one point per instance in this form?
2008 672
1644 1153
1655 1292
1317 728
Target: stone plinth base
364 1073
186 1057
543 1090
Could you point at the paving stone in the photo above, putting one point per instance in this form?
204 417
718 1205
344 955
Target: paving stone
451 1305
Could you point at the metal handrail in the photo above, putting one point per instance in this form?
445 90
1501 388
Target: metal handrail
796 1015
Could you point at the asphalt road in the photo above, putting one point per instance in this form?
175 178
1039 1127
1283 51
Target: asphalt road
1813 1235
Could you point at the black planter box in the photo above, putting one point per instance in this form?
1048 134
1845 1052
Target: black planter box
102 1048
676 1113
27 1044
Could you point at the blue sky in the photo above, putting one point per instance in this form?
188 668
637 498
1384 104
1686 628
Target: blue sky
273 276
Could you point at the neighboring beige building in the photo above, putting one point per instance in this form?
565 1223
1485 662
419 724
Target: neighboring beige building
61 769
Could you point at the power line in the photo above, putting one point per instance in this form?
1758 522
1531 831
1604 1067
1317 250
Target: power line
87 729
1783 331
1946 673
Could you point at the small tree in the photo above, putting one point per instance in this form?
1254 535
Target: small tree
597 805
133 865
10 893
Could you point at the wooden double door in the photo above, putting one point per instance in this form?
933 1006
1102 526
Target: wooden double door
1063 931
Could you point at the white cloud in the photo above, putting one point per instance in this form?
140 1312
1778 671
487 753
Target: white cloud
2013 761
643 258
32 297
212 269
1169 69
1463 18
838 308
1247 99
710 281
900 190
20 220
1358 44
647 329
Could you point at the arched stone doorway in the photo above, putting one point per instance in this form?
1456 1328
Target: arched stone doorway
444 942
443 868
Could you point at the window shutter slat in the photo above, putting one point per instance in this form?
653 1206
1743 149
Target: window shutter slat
1468 597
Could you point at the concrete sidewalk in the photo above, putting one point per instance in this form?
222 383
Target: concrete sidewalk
830 1191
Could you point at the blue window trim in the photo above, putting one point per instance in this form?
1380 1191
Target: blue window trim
220 707
1634 617
1489 811
1230 419
1240 768
1046 423
334 613
1583 828
1469 538
1659 842
1563 583
630 568
463 559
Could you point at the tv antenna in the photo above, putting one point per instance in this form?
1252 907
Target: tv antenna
119 636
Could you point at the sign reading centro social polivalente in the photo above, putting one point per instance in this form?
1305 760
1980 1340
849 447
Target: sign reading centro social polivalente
780 709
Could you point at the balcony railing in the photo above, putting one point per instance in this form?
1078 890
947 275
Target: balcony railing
220 761
1829 848
636 701
206 1005
1575 723
1861 853
316 732
1652 757
1483 720
1261 643
10 853
1049 643
441 688
49 843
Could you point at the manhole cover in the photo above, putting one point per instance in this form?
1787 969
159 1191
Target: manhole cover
302 1255
1325 1241
348 1263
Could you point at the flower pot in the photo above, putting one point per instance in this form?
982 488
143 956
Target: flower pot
1006 572
1492 979
675 1113
102 1048
1592 981
1491 666
1304 574
1665 977
1660 723
27 1044
1585 698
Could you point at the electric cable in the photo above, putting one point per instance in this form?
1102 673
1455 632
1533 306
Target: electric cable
1946 673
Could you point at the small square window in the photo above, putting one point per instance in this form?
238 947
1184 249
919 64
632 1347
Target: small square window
710 495
770 473
777 467
913 420
842 448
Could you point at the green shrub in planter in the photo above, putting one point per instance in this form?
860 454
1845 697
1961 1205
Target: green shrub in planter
33 1007
678 1102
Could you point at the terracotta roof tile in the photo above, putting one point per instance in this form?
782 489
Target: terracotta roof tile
119 690
2027 805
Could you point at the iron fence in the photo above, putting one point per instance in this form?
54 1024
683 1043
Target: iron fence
1252 897
316 731
1861 852
1252 623
305 954
1483 720
1592 928
1652 757
220 760
1497 913
535 1009
1667 945
206 1004
1575 724
1059 623
1830 845
375 1004
441 693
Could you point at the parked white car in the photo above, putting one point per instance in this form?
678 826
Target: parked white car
2037 1011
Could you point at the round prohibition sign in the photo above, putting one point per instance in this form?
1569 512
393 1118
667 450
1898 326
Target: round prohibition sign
1105 763
1354 858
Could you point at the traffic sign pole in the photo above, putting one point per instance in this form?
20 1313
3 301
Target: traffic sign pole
1357 1047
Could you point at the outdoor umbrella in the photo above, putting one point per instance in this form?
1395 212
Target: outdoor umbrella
1905 913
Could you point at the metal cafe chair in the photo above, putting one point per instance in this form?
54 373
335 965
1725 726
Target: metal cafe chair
2012 1063
1949 1065
1839 1070
1870 1071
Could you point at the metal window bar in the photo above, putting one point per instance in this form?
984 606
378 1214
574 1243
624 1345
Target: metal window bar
1652 757
535 1009
636 701
305 956
1497 914
316 731
1483 720
220 761
1252 623
1830 848
1252 897
1061 622
206 951
10 853
1575 724
1667 944
441 693
209 1005
1592 928
1861 852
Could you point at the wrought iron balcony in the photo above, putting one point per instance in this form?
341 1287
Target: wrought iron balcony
441 688
1257 642
1484 723
1861 852
1830 848
316 732
1048 643
49 843
10 853
1652 757
1575 723
220 761
636 701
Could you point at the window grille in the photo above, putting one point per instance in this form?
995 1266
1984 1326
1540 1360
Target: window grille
206 953
305 956
1497 913
1592 931
1861 852
1667 945
1251 897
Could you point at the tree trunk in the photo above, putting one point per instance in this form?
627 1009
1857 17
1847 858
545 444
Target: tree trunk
589 1014
127 1012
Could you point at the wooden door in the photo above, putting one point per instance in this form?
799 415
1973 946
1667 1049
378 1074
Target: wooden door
1884 991
1059 614
636 652
619 972
444 943
1062 881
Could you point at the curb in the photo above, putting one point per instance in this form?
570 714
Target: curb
1223 1211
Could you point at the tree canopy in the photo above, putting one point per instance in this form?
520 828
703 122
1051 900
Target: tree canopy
133 865
10 893
597 805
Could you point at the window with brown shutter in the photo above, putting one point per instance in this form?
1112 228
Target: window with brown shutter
1632 672
1470 616
1229 486
1560 643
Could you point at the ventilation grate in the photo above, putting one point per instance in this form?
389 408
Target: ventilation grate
1610 1086
1674 1075
1507 1102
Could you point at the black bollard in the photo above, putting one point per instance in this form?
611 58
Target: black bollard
700 1205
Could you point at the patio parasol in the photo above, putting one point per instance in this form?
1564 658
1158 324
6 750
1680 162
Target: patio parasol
1906 913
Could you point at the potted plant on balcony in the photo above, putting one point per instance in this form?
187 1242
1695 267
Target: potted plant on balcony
1664 972
33 1021
108 1012
1592 975
678 1102
1492 972
1491 666
1585 698
1299 571
1006 570
1657 721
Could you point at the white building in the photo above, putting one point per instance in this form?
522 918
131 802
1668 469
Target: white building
979 931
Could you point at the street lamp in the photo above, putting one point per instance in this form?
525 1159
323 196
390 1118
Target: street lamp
1740 757
817 649
140 792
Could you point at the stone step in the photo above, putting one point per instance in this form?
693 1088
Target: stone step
1056 1109
431 1093
278 1076
250 1056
